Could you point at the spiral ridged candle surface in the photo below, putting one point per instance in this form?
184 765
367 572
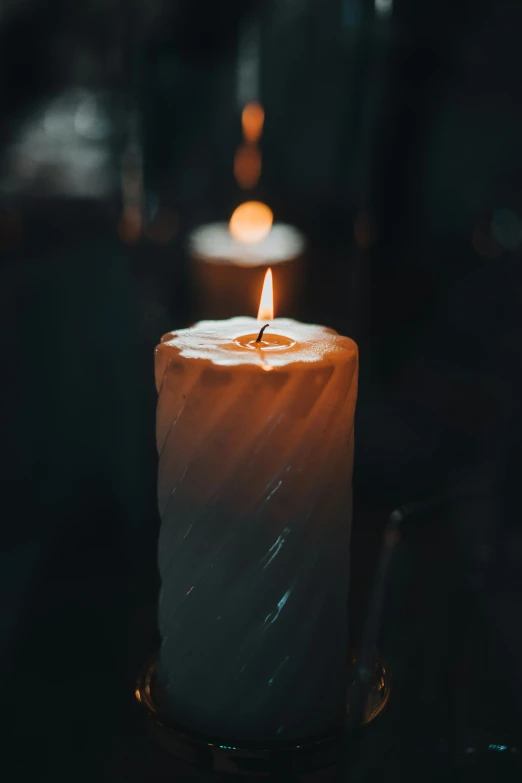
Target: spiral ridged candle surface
254 486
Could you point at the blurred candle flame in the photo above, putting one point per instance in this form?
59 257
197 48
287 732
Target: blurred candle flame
266 303
247 166
252 119
251 222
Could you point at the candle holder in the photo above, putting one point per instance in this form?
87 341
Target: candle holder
260 759
367 695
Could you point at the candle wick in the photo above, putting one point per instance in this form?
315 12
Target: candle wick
260 335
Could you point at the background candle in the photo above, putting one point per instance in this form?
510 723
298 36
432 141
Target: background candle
227 271
254 489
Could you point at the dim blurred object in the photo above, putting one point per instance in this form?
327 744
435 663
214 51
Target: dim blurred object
131 221
229 262
247 160
62 149
248 62
247 166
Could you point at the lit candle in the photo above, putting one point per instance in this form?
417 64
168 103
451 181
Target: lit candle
255 437
229 262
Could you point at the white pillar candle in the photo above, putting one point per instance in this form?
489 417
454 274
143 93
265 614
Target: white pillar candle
227 274
254 485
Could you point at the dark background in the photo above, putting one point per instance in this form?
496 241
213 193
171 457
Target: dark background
392 139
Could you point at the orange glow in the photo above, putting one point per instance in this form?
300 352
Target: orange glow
252 119
251 222
363 231
130 225
164 227
247 166
266 303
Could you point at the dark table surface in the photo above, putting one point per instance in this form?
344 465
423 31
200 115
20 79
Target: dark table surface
72 708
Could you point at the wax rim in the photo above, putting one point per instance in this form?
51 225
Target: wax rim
215 342
212 243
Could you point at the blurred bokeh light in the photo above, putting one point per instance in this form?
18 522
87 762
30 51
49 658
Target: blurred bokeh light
251 222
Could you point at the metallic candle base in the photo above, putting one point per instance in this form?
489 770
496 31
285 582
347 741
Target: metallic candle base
259 759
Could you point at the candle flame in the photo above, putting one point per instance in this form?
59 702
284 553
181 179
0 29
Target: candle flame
266 303
252 119
251 222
